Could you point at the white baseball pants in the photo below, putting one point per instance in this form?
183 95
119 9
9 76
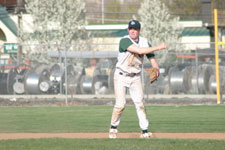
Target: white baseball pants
121 82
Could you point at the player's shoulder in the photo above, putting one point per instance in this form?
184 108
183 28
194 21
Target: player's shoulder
125 40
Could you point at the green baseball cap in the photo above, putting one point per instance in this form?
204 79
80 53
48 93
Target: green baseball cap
134 24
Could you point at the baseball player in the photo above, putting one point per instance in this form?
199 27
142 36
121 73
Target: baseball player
132 49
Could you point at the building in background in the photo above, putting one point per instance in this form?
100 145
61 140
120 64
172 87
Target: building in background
197 34
13 6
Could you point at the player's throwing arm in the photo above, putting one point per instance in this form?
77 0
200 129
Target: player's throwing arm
145 50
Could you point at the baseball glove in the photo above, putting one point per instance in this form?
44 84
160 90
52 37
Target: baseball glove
152 74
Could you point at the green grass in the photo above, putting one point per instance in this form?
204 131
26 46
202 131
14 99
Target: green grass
97 119
107 144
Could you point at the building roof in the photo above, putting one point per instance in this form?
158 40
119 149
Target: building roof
4 17
188 31
110 33
195 31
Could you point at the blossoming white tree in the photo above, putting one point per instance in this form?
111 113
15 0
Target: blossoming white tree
159 26
59 22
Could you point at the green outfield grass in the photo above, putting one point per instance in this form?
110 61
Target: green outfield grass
97 119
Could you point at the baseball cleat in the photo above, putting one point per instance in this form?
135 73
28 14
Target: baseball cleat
146 135
113 133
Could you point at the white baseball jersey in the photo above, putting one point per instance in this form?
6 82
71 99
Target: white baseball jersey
130 62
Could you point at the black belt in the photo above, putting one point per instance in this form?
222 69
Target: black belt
129 74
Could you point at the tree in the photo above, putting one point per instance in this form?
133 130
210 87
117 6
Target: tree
54 22
158 26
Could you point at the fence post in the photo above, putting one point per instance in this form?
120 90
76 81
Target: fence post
61 67
66 86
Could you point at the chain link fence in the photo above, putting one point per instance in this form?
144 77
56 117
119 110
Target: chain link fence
71 73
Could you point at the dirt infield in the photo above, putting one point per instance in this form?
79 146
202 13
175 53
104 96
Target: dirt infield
215 136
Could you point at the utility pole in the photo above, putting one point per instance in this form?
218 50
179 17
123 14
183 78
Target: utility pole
19 6
103 11
19 50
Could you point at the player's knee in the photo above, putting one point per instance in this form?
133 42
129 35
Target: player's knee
120 108
140 106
